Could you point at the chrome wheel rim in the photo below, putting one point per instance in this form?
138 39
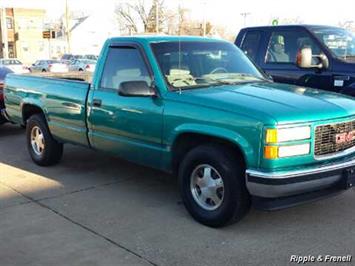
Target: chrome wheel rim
207 187
37 141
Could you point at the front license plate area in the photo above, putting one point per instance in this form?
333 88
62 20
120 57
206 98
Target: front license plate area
349 178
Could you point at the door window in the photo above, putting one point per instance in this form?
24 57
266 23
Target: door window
124 64
250 44
284 46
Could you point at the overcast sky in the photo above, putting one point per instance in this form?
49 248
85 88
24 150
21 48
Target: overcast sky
223 12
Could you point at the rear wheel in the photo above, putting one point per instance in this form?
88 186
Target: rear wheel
43 148
212 185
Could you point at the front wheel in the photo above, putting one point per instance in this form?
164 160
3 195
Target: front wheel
43 148
212 185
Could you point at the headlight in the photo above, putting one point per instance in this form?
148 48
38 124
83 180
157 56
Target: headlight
274 152
275 135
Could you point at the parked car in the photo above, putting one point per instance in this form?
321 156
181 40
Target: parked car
15 65
91 57
66 57
82 65
3 72
49 66
320 57
71 57
200 109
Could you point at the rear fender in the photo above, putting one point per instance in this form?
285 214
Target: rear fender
31 102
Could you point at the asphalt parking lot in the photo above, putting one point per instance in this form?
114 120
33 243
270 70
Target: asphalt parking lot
93 209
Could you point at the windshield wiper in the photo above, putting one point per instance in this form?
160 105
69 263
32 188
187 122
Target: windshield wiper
234 79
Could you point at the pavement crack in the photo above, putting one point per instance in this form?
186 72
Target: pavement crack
41 204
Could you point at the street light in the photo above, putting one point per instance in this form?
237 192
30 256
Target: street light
204 18
244 15
67 25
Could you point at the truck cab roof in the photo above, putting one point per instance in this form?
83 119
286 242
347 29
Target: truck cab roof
161 38
281 27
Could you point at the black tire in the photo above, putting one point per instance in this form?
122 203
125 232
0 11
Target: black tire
52 150
236 199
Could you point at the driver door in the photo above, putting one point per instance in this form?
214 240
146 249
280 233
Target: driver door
130 127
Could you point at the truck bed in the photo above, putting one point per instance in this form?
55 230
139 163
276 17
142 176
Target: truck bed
72 75
62 99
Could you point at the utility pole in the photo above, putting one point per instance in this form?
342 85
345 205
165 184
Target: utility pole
4 44
244 15
204 19
156 16
67 25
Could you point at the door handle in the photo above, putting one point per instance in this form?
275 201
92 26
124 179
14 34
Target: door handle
96 102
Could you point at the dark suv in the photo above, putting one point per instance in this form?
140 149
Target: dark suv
321 57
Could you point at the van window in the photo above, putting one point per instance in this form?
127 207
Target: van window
251 43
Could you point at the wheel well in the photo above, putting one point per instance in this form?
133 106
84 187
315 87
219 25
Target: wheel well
28 110
187 141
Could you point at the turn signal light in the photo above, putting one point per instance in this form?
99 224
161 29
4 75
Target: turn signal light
271 152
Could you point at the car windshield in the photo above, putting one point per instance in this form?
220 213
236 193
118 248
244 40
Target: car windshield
11 62
187 65
340 41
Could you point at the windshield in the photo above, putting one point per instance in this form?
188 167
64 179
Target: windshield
201 64
339 41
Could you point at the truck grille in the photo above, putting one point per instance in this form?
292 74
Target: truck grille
333 138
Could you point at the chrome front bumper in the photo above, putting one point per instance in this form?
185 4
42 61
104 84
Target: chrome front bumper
295 182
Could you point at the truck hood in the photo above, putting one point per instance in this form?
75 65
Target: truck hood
272 102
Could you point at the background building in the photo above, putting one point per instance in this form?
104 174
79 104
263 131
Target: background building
24 29
88 33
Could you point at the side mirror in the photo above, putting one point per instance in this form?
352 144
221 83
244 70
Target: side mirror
305 57
136 89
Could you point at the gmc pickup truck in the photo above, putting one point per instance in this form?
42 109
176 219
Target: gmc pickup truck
200 109
321 57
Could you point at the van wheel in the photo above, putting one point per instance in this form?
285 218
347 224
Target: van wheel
43 148
212 185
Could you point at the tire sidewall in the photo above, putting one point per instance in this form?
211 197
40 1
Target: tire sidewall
232 176
33 122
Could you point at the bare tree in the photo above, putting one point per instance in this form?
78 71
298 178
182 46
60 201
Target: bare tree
348 24
132 15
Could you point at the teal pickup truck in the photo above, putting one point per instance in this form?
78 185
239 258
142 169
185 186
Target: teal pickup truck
200 109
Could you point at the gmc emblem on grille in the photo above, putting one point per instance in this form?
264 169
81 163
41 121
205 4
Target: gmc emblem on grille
345 137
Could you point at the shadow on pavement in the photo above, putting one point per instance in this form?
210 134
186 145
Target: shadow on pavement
10 130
